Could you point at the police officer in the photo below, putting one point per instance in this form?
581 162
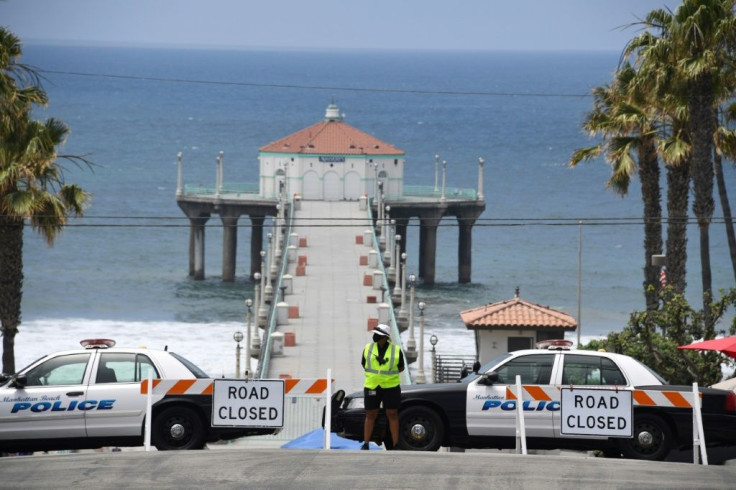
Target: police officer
382 362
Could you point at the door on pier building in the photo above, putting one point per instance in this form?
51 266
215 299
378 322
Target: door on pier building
332 187
279 183
383 181
311 186
352 186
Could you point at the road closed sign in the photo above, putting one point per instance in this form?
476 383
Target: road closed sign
596 412
248 403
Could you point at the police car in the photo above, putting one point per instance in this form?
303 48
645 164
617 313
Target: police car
477 412
92 397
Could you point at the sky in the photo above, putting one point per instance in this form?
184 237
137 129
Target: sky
489 25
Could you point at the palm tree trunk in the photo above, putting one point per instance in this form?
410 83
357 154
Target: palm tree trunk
702 129
678 194
11 284
726 207
652 197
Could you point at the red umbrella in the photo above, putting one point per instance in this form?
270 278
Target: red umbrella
727 345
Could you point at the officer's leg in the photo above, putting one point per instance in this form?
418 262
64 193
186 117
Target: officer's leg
370 422
392 414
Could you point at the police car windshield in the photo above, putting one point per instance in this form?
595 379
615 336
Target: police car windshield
486 367
654 373
196 371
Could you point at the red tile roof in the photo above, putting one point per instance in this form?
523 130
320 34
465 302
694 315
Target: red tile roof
331 137
516 313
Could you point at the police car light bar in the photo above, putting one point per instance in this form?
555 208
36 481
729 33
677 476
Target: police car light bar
97 343
554 344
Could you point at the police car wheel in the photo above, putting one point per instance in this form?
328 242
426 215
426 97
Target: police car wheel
420 429
178 428
652 439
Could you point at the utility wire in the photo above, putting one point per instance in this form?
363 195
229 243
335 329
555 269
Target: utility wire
307 223
306 87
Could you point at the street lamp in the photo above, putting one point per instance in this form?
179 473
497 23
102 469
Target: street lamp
411 344
421 378
433 340
383 241
436 170
480 178
274 259
393 257
237 337
403 317
248 305
268 291
277 232
444 178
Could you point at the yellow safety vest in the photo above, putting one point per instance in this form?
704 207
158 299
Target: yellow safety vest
386 375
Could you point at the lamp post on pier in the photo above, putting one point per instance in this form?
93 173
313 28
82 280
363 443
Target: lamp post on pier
402 317
274 259
444 179
237 337
411 344
260 312
268 290
421 378
383 241
277 233
480 178
393 257
433 340
436 171
248 305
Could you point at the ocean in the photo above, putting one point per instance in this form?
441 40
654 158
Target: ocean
122 270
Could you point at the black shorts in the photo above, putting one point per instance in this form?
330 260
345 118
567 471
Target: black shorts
391 397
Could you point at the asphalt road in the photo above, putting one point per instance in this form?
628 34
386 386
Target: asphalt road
282 468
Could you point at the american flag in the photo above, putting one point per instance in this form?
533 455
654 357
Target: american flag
663 277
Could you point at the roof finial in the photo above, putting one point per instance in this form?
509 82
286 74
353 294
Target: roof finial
333 112
516 295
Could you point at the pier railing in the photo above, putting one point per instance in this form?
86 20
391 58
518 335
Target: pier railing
248 190
428 191
263 364
251 190
448 369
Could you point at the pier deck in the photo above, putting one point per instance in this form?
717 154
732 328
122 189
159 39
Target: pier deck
331 329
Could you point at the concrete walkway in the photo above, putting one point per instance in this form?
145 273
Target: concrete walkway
331 329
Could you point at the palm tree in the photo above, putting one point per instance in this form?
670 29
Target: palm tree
32 186
623 118
667 97
695 47
703 38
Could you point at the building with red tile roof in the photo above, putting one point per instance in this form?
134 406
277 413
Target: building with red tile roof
514 324
331 160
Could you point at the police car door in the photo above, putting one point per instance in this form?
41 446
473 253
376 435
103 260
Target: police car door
116 387
51 405
491 413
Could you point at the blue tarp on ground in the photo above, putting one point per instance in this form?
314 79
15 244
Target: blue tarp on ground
316 438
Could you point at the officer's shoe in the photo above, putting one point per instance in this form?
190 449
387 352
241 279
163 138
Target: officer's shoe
365 447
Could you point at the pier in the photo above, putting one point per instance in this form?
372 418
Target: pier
329 218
